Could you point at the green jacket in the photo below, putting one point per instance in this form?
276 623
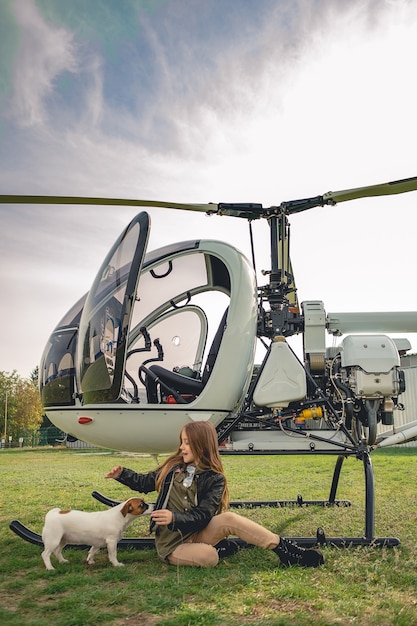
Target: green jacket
210 486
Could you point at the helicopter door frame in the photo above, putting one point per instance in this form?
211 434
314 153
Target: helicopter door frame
106 317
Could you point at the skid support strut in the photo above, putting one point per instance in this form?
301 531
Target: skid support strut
369 498
369 536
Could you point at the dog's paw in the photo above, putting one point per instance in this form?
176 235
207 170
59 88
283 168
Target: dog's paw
118 564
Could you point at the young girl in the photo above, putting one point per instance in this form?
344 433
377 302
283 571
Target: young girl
189 522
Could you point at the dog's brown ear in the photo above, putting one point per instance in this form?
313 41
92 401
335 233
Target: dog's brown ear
127 508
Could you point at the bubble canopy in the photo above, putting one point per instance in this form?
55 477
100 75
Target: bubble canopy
163 309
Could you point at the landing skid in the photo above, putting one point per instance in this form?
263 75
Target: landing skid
29 535
140 544
320 539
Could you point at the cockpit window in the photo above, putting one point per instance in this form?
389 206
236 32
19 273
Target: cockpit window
169 282
106 315
57 372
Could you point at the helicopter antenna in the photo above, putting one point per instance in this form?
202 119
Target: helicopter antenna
252 246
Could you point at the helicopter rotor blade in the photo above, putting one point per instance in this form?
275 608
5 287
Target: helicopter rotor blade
248 210
385 189
333 197
22 199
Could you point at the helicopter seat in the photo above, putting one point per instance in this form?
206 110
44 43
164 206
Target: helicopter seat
174 381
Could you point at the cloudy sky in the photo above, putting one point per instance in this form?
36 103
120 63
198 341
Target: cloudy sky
204 101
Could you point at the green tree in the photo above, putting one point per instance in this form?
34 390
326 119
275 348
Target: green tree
34 375
20 405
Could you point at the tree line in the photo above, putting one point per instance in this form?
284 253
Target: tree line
21 410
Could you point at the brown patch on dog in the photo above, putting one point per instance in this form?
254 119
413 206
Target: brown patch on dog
63 512
135 506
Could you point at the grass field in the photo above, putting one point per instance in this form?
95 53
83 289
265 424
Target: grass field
362 585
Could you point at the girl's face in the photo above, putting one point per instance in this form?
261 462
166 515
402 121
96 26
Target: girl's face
185 450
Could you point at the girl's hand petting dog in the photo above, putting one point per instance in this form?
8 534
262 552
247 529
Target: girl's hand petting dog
162 517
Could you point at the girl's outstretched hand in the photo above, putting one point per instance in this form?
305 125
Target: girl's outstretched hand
115 472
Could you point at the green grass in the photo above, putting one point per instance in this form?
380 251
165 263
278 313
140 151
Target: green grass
363 585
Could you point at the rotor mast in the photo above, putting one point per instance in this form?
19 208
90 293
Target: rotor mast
283 317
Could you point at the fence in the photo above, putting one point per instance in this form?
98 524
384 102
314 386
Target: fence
49 436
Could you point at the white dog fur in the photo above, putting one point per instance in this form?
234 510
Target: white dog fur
95 529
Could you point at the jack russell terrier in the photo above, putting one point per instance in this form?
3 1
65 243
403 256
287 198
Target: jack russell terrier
96 529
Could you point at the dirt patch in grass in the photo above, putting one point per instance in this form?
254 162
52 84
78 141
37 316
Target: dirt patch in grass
145 619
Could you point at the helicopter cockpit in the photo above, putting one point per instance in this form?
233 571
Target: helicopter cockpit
158 330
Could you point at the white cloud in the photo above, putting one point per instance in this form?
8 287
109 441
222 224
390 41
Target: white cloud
44 53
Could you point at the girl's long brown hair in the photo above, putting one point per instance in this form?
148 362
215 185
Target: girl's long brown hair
202 439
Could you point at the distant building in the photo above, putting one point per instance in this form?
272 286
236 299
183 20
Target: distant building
408 398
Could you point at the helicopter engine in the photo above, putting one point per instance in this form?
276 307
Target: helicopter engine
361 377
365 380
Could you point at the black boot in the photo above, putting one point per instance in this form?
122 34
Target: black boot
226 547
291 554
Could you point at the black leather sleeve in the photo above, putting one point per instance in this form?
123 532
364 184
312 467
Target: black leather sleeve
144 483
209 495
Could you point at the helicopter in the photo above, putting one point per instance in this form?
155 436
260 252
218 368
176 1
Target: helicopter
169 336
